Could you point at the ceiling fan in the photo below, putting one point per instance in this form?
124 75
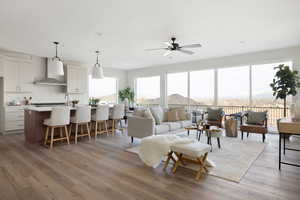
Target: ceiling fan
173 46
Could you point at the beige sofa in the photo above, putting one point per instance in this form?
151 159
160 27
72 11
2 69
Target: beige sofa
157 124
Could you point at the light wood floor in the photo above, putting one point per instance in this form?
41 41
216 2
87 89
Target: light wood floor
103 170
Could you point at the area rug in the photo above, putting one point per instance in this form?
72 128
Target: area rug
232 161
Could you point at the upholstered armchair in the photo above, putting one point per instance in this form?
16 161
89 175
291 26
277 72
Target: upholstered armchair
214 117
254 122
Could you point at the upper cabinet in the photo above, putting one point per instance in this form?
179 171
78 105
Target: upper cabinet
77 79
18 76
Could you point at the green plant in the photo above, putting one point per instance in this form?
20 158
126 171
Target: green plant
285 83
126 93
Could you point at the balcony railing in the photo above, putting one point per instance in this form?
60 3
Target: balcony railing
274 113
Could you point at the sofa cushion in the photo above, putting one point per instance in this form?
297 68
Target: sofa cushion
173 125
214 114
172 116
181 113
162 128
158 114
185 123
256 117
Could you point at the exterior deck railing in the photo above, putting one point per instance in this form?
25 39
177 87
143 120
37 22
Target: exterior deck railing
274 113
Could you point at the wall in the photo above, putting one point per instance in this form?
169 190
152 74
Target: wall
45 94
285 54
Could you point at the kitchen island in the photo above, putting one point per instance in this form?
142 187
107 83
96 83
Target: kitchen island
34 117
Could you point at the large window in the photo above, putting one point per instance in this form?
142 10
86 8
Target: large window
104 89
177 88
202 87
234 86
262 76
148 90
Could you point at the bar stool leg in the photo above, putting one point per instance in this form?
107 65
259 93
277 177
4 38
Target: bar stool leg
96 129
46 135
67 135
113 127
106 127
88 130
70 131
52 135
76 132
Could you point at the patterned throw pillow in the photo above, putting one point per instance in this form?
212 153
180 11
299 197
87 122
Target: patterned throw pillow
172 116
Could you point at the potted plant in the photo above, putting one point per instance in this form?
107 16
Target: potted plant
285 83
127 93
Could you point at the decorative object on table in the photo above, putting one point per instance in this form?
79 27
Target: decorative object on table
74 102
27 101
231 127
285 83
94 101
256 123
57 67
97 72
126 104
127 93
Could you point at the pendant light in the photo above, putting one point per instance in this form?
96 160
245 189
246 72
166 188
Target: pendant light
97 69
58 67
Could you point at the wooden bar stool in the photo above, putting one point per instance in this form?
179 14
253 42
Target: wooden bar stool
117 116
60 118
100 117
82 118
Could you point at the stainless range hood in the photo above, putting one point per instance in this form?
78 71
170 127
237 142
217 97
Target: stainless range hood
51 78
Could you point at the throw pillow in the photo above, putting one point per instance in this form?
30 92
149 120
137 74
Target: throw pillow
172 116
139 113
214 114
256 117
180 112
158 114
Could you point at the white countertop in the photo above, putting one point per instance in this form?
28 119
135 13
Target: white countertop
46 109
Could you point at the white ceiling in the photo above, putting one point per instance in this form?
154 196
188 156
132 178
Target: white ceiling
130 26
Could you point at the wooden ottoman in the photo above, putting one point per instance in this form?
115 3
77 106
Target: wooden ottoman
195 152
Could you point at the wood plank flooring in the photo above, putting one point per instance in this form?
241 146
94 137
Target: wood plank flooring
101 169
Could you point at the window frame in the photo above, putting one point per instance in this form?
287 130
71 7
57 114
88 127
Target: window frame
117 87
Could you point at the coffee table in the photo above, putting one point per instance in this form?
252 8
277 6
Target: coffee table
197 128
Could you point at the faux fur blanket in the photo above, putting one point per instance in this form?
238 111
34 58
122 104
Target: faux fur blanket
154 148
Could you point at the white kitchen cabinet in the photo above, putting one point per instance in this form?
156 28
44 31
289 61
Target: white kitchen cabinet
76 79
18 76
13 119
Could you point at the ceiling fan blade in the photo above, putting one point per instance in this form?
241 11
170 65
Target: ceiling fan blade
191 46
168 43
167 53
156 49
186 51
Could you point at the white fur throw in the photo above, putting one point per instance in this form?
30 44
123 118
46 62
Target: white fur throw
154 148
